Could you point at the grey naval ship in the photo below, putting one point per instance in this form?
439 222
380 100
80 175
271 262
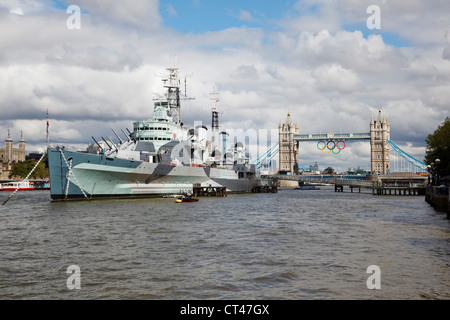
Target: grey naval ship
160 157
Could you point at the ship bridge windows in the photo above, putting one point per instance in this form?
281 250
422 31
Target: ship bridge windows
155 139
161 104
148 128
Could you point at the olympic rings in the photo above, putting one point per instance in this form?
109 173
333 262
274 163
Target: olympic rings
324 144
332 148
337 144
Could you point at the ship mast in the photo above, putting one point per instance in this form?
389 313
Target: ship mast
215 125
173 95
215 114
172 83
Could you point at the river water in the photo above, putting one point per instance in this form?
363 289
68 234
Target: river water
309 244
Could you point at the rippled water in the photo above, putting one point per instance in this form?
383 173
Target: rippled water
291 245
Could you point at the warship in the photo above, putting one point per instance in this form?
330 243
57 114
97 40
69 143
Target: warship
160 157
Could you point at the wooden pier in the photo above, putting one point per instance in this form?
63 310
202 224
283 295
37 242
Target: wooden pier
386 185
209 191
265 189
263 185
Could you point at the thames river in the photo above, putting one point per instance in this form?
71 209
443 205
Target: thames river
293 245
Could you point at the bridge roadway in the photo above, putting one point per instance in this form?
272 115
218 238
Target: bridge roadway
331 136
316 178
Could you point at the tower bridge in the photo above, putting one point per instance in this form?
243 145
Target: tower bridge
381 178
379 135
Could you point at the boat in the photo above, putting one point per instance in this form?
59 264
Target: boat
13 185
187 198
160 157
307 188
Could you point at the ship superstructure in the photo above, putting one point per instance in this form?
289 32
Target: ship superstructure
160 157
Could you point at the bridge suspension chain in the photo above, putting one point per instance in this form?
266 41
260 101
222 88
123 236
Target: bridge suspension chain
272 152
407 157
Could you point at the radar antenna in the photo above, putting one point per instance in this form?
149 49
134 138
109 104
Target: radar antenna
215 115
172 83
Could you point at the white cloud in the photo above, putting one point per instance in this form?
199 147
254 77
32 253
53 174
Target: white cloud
137 14
17 11
171 11
244 15
446 53
334 77
20 7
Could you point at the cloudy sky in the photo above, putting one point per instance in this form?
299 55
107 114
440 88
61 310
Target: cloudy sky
318 60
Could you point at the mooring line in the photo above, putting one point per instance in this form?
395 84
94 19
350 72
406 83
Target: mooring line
68 181
26 179
71 173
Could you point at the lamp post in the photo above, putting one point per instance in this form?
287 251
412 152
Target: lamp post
433 173
429 175
437 161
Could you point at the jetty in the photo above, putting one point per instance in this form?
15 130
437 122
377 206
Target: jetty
209 191
389 184
386 185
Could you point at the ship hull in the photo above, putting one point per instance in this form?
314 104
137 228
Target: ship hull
100 177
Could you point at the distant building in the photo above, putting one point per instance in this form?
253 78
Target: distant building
356 171
10 155
328 170
93 149
314 168
34 156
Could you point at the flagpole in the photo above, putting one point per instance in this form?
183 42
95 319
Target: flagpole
47 128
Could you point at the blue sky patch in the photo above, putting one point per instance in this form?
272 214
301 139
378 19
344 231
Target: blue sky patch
196 16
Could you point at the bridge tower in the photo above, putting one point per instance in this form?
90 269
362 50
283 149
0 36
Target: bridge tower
379 147
288 148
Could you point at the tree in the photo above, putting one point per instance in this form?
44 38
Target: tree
22 169
438 147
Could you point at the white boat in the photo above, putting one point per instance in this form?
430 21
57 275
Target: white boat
13 185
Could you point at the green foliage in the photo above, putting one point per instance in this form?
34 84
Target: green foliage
438 147
20 170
